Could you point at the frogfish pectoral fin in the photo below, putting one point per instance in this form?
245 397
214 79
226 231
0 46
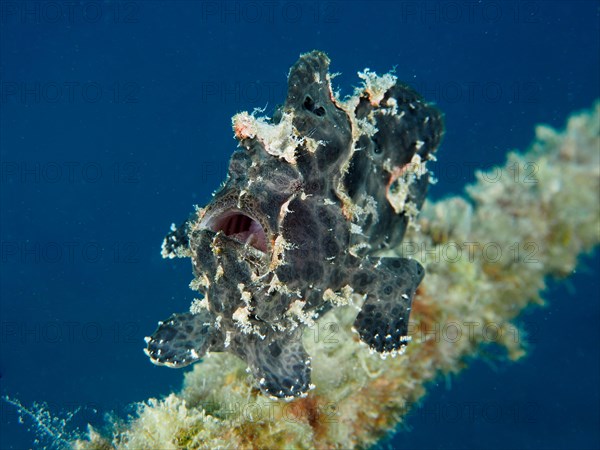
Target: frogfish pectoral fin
183 339
382 322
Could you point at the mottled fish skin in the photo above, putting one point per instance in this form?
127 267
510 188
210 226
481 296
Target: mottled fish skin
312 198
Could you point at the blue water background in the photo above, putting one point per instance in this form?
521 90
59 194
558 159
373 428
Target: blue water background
115 120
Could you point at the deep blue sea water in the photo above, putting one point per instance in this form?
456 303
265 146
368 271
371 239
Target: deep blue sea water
115 120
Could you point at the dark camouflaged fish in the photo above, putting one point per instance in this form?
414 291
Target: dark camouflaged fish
312 198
